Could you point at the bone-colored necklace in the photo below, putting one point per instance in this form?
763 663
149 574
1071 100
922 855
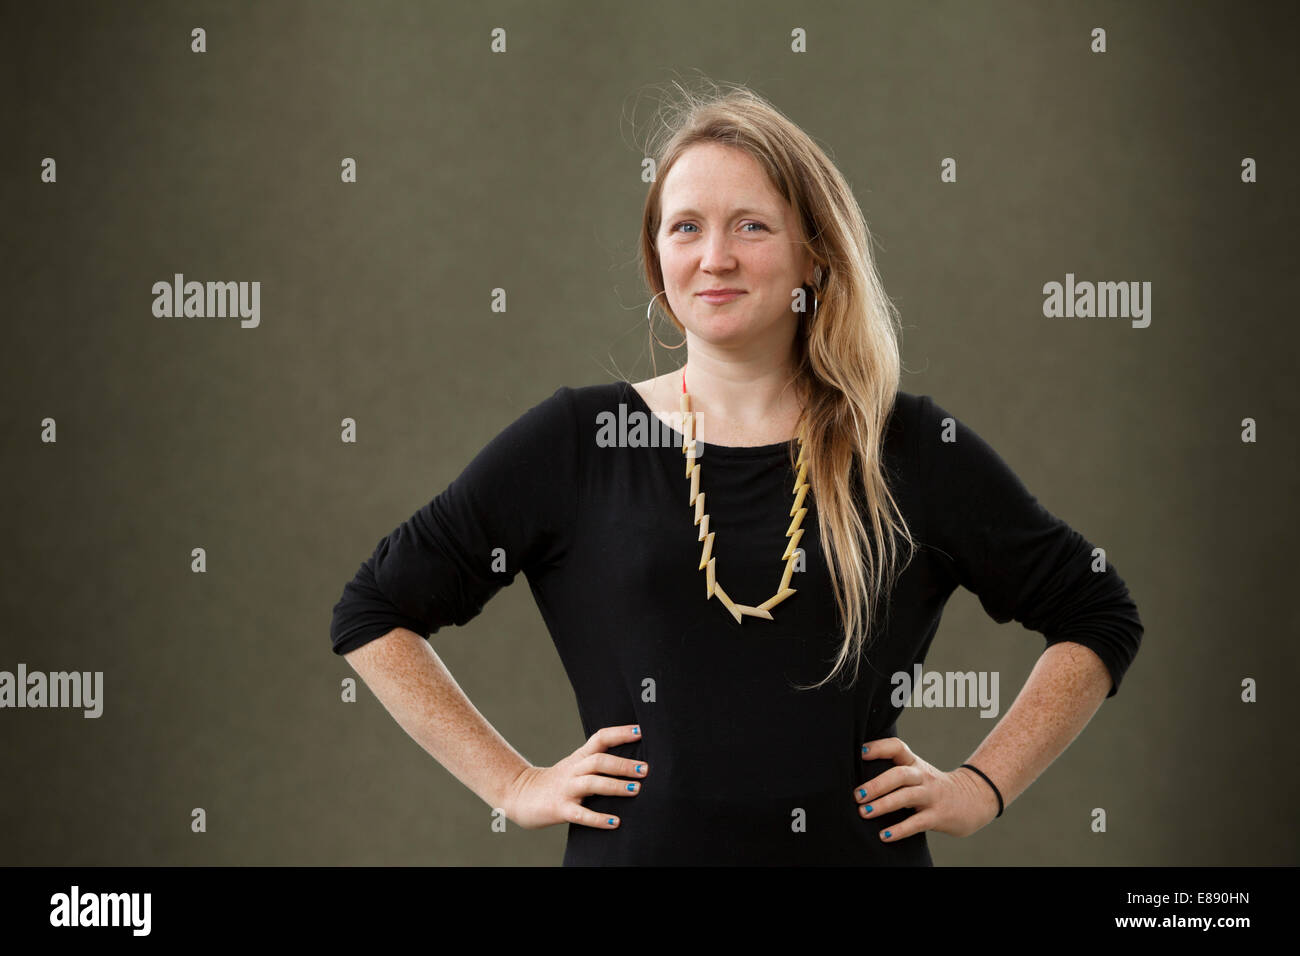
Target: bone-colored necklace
707 562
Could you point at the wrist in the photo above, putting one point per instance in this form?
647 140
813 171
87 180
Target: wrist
506 795
982 790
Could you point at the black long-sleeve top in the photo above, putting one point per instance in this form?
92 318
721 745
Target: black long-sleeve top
744 767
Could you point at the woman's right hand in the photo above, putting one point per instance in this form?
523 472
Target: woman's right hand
543 796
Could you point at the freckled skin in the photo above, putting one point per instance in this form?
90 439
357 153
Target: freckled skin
1066 687
410 680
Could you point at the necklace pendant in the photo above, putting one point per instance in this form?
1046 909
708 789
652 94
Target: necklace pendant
708 564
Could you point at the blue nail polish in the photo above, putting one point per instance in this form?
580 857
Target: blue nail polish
861 792
865 748
611 821
886 834
868 810
636 730
638 768
631 786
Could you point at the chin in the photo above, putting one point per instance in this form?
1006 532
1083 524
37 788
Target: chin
724 327
720 331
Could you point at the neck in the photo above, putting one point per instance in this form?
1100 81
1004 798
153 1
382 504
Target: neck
747 393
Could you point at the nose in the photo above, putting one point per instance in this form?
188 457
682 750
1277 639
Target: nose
718 256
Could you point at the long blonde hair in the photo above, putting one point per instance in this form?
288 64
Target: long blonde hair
846 352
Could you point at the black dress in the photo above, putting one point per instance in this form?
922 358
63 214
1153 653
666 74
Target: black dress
744 768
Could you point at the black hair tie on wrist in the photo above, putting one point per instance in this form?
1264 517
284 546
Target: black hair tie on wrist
996 791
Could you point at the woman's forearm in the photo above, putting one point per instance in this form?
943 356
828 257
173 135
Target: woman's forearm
410 680
1064 690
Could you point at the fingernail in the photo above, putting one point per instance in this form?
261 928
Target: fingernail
865 748
631 786
636 730
862 793
640 768
886 834
868 810
611 821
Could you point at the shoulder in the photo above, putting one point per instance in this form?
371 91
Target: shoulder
908 417
922 416
575 410
929 435
936 435
568 400
596 396
913 405
585 404
907 405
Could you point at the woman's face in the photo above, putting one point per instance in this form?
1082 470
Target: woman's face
723 226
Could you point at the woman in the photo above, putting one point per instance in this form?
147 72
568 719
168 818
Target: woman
731 604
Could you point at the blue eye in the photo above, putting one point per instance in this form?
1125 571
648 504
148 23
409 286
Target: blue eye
759 224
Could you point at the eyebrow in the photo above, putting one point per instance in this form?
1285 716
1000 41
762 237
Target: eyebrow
765 213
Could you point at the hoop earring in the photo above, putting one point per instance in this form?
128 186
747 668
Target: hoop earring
650 323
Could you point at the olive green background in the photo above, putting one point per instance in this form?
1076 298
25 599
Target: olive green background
522 171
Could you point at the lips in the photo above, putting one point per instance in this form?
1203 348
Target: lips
720 297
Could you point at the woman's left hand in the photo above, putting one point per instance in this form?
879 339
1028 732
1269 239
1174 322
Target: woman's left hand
957 803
